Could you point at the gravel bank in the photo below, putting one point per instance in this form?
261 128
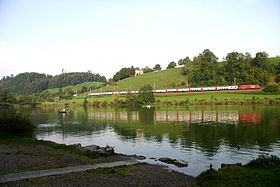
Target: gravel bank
19 156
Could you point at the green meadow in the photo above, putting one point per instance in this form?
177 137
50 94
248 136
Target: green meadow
76 87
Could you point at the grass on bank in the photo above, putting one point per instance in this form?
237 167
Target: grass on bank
76 87
8 138
263 171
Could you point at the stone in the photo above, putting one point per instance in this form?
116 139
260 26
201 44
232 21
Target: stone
109 149
92 147
179 163
140 157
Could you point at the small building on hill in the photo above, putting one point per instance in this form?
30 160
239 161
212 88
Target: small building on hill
138 71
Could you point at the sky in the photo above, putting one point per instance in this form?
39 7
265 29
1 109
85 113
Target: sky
103 36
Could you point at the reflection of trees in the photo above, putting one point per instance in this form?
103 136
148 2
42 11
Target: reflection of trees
204 136
146 116
209 137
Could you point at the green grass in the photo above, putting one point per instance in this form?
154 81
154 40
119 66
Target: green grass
7 138
215 96
252 174
274 60
162 79
76 87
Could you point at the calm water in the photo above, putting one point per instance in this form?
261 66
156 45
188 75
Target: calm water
198 135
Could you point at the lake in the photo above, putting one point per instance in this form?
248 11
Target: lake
200 135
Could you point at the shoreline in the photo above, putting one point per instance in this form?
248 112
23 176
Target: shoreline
30 154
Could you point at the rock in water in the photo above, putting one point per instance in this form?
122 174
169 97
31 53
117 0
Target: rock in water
109 149
92 147
179 163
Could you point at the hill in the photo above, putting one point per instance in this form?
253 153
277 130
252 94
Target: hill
76 88
161 79
173 78
28 83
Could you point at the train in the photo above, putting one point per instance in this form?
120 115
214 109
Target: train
175 90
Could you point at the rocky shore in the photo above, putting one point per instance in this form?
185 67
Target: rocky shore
23 154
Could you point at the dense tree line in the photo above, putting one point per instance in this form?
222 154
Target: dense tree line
25 83
28 83
67 79
124 73
239 68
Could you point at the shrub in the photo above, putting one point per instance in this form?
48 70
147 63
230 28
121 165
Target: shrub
104 103
264 161
17 124
183 83
146 95
271 88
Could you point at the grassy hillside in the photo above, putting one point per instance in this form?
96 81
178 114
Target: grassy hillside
77 87
162 79
171 78
274 60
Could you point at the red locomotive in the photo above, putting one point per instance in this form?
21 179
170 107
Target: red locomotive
246 87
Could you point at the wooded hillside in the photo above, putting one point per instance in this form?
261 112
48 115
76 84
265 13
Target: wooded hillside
30 82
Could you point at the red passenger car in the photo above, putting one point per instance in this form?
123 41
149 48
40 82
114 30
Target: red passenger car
245 87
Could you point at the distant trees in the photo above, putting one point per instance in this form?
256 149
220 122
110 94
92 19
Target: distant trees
171 65
157 67
238 68
7 97
28 83
184 61
147 69
67 79
124 73
260 60
25 83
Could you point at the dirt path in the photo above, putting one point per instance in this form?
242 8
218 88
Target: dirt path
26 162
59 171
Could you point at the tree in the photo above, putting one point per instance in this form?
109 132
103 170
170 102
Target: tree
171 65
147 69
146 95
260 60
157 67
208 56
124 73
185 61
84 89
131 100
7 97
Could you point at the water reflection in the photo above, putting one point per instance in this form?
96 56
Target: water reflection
199 135
191 117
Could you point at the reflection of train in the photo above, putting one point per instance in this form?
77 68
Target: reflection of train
228 117
174 90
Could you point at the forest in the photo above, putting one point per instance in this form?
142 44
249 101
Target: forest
237 68
28 83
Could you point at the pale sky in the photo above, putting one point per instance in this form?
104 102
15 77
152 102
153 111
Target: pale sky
104 36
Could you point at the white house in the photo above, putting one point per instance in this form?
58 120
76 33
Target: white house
138 71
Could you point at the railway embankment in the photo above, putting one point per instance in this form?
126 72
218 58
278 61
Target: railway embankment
237 97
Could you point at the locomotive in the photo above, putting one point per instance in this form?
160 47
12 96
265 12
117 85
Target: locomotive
174 90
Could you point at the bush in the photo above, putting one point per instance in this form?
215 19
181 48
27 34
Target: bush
146 95
264 161
271 88
17 124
